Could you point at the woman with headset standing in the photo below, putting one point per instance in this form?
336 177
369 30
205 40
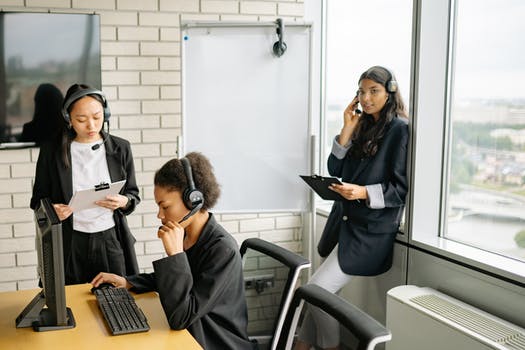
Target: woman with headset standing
95 239
370 156
200 281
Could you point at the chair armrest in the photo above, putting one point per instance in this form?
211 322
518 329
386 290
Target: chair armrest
281 254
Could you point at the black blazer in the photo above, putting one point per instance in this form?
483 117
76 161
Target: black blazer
366 235
202 290
54 181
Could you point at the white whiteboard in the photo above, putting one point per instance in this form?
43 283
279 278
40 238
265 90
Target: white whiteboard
249 112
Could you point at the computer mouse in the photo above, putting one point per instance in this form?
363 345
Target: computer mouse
102 286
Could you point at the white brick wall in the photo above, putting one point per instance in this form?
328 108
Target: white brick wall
45 3
7 260
179 5
144 5
259 7
141 76
142 63
290 9
5 171
220 6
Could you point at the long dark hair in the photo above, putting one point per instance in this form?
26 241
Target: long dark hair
369 133
69 133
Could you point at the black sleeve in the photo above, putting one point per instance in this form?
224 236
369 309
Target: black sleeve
143 282
396 188
335 166
43 177
186 299
131 189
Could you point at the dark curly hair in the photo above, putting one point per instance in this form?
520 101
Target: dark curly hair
171 176
369 133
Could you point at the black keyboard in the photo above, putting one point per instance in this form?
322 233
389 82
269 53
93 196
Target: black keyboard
122 315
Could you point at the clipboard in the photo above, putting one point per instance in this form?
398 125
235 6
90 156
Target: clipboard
85 199
320 185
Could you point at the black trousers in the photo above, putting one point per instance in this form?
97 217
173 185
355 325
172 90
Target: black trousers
92 253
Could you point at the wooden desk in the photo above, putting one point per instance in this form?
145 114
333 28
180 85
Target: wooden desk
90 331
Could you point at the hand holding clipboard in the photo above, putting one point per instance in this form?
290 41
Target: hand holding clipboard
85 199
320 185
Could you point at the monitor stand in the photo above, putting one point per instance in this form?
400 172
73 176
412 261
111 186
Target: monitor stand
34 315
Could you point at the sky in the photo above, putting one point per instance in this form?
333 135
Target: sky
489 46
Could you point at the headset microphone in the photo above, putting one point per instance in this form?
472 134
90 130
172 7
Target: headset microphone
192 211
97 145
104 139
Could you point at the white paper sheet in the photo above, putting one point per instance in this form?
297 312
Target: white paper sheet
85 199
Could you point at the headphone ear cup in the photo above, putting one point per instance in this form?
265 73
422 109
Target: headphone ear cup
186 199
279 48
107 111
192 198
66 116
391 86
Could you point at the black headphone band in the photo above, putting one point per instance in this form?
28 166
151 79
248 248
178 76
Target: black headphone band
78 95
187 171
192 197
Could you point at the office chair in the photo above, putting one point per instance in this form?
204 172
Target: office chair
294 264
365 330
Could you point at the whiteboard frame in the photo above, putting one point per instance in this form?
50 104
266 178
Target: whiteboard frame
309 150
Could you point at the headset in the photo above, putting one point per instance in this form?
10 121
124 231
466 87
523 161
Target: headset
391 84
279 47
192 197
78 95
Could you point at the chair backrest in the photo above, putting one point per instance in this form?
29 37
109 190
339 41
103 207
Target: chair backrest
295 264
363 328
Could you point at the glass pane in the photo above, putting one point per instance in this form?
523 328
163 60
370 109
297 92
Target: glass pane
486 188
361 34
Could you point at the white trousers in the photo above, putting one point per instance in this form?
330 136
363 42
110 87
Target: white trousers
318 328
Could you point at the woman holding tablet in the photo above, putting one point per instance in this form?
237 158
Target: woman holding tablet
95 239
369 155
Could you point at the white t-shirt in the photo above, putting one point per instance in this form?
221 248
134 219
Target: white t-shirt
90 168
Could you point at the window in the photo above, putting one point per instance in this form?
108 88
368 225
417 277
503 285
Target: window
468 92
361 34
486 154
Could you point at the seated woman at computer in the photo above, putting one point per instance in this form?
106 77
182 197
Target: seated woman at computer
200 282
96 239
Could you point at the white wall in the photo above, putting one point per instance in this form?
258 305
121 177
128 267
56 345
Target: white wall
141 77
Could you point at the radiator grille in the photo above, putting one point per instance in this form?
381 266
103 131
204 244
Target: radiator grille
473 321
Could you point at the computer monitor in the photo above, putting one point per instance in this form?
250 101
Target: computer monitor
51 271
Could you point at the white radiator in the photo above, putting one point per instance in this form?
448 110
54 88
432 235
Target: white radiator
423 318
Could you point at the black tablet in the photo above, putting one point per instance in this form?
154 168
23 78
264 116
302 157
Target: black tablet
320 185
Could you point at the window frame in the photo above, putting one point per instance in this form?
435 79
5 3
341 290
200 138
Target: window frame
432 81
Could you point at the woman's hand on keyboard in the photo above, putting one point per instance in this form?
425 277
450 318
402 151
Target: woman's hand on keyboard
105 277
